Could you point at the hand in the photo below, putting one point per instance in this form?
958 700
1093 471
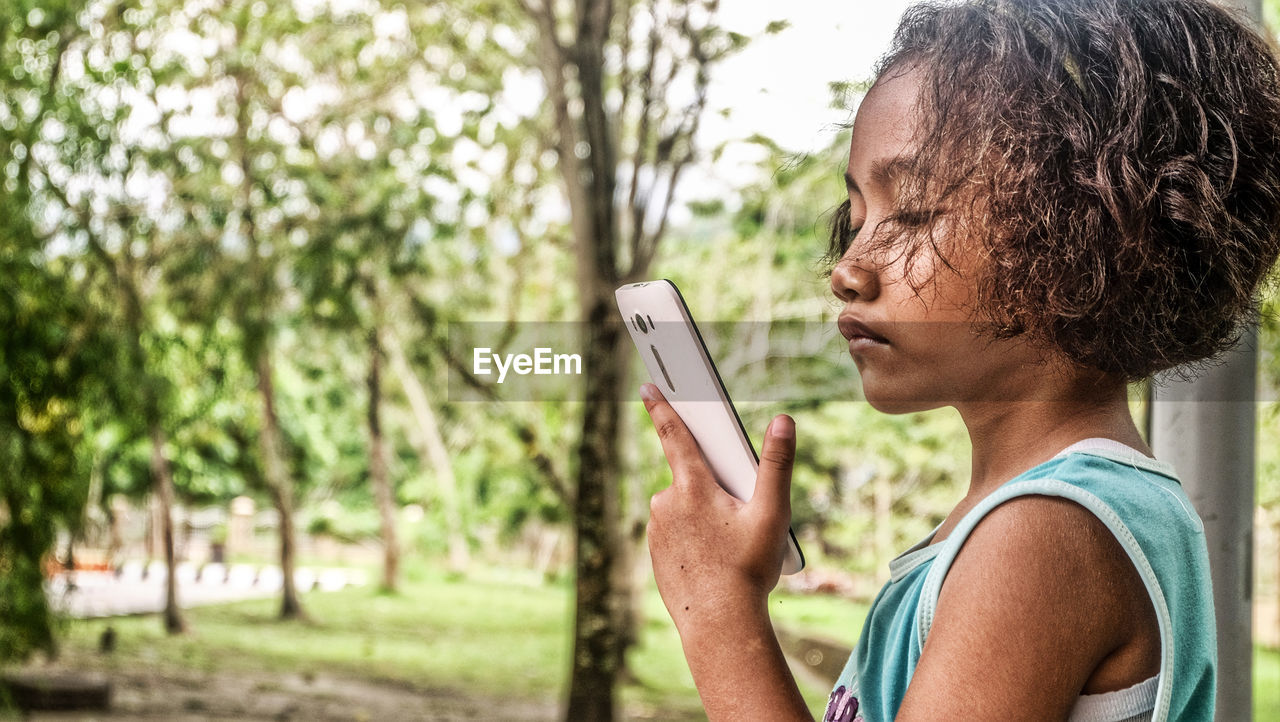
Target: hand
715 558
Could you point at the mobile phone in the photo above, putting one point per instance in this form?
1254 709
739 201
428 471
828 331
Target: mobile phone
673 351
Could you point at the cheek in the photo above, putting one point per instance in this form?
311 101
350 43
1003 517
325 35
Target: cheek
946 276
935 362
949 293
930 321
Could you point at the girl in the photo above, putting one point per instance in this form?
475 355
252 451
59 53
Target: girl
1048 200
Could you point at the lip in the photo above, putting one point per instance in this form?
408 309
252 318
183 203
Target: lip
858 332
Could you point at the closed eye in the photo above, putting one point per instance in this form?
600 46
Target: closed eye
840 234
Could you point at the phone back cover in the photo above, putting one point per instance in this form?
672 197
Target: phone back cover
688 380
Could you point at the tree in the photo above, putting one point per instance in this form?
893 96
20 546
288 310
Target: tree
51 357
231 178
365 245
75 156
626 87
39 335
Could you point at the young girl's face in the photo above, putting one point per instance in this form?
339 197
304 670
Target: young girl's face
914 350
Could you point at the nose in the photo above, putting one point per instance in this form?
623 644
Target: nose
854 280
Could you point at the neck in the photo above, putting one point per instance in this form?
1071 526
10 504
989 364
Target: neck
1011 436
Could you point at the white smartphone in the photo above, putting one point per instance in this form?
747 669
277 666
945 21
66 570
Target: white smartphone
664 333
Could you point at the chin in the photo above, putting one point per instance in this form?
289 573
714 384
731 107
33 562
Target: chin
901 406
898 398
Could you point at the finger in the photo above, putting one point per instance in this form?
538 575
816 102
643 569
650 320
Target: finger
678 444
772 495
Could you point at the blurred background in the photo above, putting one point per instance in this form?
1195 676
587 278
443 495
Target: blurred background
245 471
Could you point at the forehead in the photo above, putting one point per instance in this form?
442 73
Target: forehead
886 120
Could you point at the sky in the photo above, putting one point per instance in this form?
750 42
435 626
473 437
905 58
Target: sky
779 85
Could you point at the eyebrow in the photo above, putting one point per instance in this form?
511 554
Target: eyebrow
882 172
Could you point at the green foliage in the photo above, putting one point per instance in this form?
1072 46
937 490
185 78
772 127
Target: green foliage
845 94
776 26
49 348
1268 468
43 484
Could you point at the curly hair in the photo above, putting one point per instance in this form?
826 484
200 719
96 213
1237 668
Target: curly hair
1116 163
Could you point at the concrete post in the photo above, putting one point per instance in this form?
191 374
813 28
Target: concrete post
239 527
1206 430
155 527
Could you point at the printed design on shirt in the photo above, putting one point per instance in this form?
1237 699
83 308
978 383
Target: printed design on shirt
842 706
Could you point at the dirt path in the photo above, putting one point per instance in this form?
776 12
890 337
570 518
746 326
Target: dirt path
185 696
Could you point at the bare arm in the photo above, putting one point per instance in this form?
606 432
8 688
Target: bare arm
740 670
1041 604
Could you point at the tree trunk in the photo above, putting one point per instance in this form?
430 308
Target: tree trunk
632 572
161 470
162 479
378 475
430 443
278 485
586 144
598 643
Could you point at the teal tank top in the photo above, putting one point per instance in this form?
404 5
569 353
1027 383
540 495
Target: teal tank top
1144 506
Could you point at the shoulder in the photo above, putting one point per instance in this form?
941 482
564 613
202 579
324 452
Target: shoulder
1047 563
1038 579
1030 533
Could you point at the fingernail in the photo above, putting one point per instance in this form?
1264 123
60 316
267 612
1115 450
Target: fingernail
783 427
649 392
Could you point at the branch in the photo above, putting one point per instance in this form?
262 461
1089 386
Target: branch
525 431
545 17
638 204
95 244
667 150
649 247
624 70
553 57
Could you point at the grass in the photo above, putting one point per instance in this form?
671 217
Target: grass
1266 683
496 633
485 636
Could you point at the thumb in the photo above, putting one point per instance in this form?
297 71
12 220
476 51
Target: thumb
772 495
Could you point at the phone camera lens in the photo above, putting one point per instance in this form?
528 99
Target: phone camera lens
640 323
